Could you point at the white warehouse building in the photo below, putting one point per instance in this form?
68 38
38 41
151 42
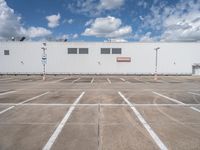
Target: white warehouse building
99 58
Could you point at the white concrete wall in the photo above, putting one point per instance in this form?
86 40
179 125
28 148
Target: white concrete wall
173 58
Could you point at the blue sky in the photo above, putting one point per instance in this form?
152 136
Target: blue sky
101 20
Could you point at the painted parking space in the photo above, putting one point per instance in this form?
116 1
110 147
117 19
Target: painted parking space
28 127
145 97
89 113
58 97
178 127
184 97
101 97
17 97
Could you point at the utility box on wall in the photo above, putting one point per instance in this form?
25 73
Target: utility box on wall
123 59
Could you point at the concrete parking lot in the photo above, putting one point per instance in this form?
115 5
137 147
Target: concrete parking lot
99 112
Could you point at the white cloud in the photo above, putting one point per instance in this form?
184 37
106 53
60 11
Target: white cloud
34 32
74 36
110 4
9 22
94 8
147 38
89 22
118 40
67 36
142 3
176 23
70 21
141 18
109 27
53 20
11 26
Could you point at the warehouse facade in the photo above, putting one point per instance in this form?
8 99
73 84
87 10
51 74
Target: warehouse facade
99 58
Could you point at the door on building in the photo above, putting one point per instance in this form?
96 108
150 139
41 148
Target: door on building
196 69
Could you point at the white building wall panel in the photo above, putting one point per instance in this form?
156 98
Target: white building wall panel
25 57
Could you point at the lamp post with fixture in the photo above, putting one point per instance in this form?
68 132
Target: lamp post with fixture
156 64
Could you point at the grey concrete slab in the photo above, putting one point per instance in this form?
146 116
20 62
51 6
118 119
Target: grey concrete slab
84 80
84 115
145 97
105 97
178 127
69 80
76 137
80 131
134 80
184 97
170 79
120 129
2 107
29 127
116 80
24 136
34 115
100 80
95 127
62 97
18 97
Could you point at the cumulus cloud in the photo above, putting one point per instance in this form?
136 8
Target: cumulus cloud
74 36
94 8
70 21
34 32
142 3
109 27
147 37
67 36
11 26
89 22
117 40
53 20
176 23
110 4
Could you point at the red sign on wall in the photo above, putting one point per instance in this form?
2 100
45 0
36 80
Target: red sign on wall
123 59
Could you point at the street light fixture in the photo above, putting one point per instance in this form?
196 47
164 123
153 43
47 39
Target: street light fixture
44 60
156 64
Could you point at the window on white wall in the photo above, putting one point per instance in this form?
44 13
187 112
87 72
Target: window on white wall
72 50
105 50
116 50
83 51
6 52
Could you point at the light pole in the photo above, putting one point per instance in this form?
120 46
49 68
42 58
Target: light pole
44 60
156 64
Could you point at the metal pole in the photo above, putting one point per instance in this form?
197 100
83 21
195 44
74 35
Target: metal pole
156 64
44 69
44 73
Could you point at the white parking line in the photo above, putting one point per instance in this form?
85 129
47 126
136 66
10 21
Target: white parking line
169 98
33 98
155 137
61 125
108 80
194 93
92 80
122 79
76 80
5 79
59 80
175 100
9 92
30 99
7 109
87 104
